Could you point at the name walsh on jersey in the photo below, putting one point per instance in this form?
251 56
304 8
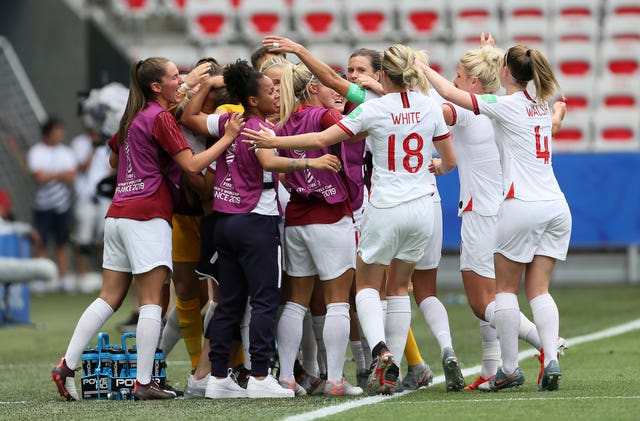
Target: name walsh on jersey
537 110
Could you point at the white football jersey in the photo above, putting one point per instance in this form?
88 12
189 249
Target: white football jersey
522 131
478 160
402 128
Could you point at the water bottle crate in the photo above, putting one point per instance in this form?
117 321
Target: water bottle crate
109 371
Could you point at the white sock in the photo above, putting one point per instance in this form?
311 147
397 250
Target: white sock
490 350
438 321
147 335
384 304
527 331
318 328
90 322
209 314
244 335
507 317
397 326
545 313
370 315
171 333
309 347
358 355
289 337
366 349
336 337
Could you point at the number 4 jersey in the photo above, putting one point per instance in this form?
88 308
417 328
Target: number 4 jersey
402 128
522 130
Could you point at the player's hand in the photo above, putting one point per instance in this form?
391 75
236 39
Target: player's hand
198 75
234 125
326 162
487 40
276 43
434 166
263 138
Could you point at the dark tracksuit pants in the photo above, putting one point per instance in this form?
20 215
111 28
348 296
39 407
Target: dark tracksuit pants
249 259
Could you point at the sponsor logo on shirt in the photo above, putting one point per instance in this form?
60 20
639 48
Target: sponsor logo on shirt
355 113
489 98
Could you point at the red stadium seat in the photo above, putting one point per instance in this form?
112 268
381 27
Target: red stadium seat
259 18
318 20
471 17
140 9
209 22
617 129
421 20
575 133
370 22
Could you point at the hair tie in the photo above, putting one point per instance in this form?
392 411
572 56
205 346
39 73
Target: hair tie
528 53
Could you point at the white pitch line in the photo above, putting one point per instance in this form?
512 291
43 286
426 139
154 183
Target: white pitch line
336 409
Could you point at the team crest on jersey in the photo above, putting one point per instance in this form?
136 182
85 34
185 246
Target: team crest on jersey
489 98
355 113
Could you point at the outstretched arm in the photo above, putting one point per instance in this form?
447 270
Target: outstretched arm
265 139
445 88
272 162
320 69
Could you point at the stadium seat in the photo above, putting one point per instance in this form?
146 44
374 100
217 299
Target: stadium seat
139 9
616 91
620 58
622 7
370 22
471 17
175 8
318 20
258 18
420 20
228 53
621 27
209 22
574 59
576 20
617 129
526 8
575 132
578 93
530 31
335 55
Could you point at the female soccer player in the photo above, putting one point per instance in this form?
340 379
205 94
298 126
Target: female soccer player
402 125
534 221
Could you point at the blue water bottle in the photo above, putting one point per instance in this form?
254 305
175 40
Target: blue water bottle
89 361
118 362
159 367
132 362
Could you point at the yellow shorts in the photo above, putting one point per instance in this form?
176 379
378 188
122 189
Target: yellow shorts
185 238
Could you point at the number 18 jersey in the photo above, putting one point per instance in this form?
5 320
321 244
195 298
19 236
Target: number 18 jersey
402 127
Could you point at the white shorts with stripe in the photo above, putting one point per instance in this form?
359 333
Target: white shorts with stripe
478 235
527 229
136 246
400 232
433 251
326 250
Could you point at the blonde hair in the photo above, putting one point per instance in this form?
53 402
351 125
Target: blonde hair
527 64
293 89
143 73
398 62
485 64
275 61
